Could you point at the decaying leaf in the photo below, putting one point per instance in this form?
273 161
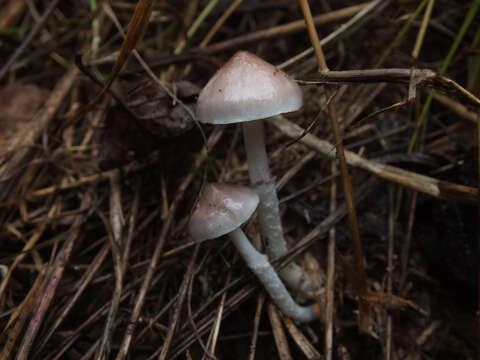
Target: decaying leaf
18 104
148 124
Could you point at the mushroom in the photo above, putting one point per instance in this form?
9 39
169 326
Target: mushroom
221 210
247 89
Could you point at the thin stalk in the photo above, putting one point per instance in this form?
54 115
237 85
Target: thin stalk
268 209
361 283
267 275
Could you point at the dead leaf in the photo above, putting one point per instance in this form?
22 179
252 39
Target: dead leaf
18 105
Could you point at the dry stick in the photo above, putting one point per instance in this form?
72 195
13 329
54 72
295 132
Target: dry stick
456 107
423 29
158 251
330 285
361 283
22 314
478 237
218 321
178 306
358 10
306 346
221 20
82 285
29 38
132 219
256 325
413 204
293 27
278 333
52 284
406 246
375 5
102 176
206 40
434 187
116 243
391 236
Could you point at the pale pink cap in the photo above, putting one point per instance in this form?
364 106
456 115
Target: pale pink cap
247 88
221 209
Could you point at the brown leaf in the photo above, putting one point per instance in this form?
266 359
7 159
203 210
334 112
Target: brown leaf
18 104
148 124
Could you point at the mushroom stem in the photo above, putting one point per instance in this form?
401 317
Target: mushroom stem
267 275
268 209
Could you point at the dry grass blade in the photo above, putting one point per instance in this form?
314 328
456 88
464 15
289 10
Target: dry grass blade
256 324
136 30
416 78
52 282
360 283
19 318
187 278
330 281
77 286
278 333
437 188
117 222
307 348
83 283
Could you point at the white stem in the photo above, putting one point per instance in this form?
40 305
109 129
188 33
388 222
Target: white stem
268 209
267 275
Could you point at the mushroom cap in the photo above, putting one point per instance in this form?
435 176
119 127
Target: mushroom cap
221 209
247 88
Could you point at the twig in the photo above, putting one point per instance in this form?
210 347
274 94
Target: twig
361 283
423 29
436 188
82 285
256 324
306 346
21 315
218 24
478 238
406 245
375 5
115 236
51 285
278 333
330 284
178 306
391 237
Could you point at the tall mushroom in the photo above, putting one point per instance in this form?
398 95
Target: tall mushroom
247 89
221 210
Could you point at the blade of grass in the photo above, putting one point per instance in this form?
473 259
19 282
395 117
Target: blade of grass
446 63
360 284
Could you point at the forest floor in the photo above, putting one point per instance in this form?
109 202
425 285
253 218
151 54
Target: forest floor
102 162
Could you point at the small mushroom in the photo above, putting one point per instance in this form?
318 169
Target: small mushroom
221 210
247 89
